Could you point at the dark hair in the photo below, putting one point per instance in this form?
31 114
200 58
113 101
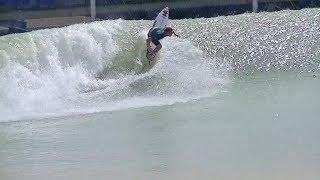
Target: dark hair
168 29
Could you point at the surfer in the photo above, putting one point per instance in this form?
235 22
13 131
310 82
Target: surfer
156 34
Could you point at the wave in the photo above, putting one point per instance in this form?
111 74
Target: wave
100 66
96 67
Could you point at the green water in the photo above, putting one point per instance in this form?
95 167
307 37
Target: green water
262 127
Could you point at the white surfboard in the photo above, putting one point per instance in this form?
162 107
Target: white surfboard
161 21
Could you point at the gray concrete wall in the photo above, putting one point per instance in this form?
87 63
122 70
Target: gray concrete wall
125 8
49 18
33 24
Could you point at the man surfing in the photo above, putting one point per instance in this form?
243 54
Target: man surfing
154 35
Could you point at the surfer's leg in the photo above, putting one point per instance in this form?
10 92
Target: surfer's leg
157 49
158 46
148 44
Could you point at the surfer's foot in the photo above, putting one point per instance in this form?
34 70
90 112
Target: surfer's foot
151 54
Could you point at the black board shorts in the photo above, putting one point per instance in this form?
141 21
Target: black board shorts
155 42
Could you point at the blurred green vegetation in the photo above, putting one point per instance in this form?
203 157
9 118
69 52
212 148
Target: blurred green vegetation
3 9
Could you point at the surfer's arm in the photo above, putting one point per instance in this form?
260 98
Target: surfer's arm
148 43
176 34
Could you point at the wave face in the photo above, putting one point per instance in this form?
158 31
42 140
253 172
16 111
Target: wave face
97 67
